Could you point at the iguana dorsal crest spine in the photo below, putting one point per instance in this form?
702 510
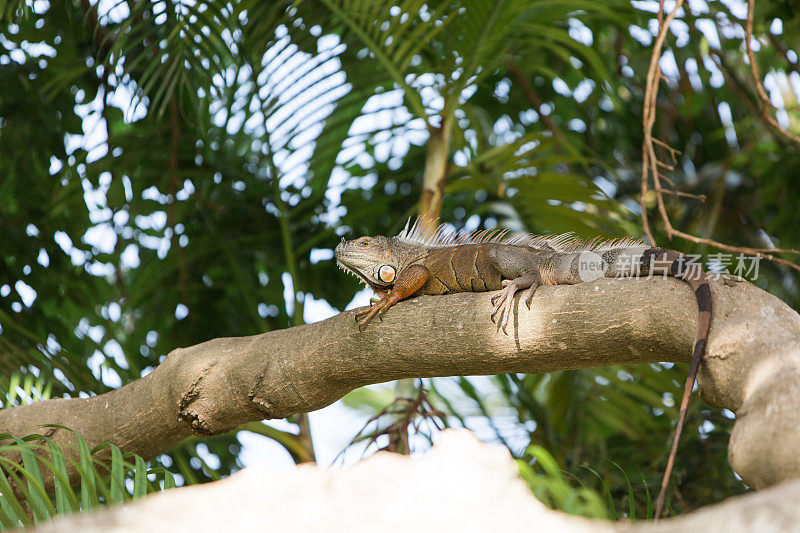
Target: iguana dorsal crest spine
432 234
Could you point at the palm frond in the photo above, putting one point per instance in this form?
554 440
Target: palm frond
552 487
394 35
168 50
13 10
106 476
20 388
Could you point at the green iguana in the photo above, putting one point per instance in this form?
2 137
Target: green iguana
426 258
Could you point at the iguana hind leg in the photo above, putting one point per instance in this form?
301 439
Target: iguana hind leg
506 297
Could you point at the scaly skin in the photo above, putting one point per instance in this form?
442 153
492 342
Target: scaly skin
424 260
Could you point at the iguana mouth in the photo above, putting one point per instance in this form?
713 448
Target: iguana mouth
355 273
340 262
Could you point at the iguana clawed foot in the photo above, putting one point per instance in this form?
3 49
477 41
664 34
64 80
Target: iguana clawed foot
505 299
376 307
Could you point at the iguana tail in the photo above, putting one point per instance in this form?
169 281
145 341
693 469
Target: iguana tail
669 262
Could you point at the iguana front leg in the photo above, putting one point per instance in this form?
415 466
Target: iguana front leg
407 283
379 295
373 301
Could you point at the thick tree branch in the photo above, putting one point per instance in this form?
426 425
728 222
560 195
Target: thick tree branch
752 364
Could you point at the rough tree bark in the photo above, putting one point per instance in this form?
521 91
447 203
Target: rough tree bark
752 364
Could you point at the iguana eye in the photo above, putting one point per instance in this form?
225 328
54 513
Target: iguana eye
365 242
386 274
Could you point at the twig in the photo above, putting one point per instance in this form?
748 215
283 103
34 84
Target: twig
648 120
666 178
734 82
778 44
651 164
672 151
701 197
766 253
407 413
738 87
766 104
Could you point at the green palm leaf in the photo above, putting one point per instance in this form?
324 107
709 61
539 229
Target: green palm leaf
103 474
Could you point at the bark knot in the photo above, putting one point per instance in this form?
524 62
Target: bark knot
190 407
262 404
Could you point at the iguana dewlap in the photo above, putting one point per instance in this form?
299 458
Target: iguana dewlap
426 258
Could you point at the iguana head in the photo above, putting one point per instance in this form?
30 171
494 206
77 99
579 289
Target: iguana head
376 260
